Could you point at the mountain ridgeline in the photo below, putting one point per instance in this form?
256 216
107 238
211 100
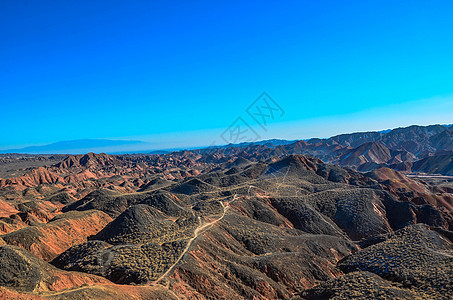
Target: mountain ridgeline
398 149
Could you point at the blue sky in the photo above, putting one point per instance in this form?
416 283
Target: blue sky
177 73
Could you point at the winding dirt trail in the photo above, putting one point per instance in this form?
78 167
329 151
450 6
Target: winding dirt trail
197 232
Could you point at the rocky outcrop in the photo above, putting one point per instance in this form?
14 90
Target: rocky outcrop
35 177
21 271
437 164
24 276
416 257
48 240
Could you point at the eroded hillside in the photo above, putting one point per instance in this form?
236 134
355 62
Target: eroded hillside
236 223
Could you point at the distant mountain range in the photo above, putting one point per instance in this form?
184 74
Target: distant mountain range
402 149
75 146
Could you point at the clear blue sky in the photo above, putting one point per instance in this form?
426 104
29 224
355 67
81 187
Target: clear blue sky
180 72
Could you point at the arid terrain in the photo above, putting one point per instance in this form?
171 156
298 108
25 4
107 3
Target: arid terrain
363 216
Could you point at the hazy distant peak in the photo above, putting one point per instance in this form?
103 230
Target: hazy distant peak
72 146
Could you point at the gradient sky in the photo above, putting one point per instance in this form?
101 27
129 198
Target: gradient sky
177 73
